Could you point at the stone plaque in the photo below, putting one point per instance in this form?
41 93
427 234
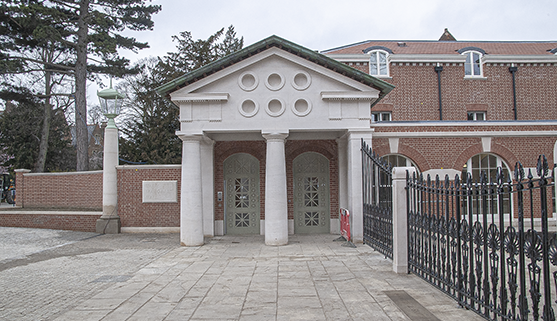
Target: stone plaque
160 191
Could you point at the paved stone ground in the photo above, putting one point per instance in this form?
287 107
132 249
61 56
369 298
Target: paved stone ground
150 277
44 273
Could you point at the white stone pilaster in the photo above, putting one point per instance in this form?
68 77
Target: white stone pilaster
191 196
342 180
355 193
276 203
207 178
343 171
555 175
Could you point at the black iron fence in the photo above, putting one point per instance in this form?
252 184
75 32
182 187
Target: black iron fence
377 197
487 244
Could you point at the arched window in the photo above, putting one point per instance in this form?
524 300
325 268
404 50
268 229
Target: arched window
484 162
399 161
378 64
473 64
488 164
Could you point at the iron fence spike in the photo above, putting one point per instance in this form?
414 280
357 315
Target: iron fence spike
539 167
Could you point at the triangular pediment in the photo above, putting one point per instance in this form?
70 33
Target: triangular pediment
277 89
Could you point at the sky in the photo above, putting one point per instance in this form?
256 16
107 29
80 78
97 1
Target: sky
325 24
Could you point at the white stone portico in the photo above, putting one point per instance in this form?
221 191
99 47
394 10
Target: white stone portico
273 91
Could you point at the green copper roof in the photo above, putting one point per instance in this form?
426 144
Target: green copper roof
275 41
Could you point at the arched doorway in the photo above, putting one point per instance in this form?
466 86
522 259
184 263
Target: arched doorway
242 208
311 194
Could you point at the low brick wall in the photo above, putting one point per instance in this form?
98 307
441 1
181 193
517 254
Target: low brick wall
70 190
132 210
74 221
66 200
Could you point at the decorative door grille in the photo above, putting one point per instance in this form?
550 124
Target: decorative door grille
241 173
311 189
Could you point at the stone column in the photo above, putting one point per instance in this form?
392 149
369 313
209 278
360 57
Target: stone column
109 222
191 196
400 219
276 203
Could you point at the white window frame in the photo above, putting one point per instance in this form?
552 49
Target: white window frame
475 115
376 54
408 161
499 162
377 116
473 73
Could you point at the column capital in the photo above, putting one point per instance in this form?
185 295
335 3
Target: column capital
208 141
358 134
185 136
399 173
276 135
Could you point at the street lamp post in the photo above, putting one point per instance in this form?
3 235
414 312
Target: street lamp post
111 101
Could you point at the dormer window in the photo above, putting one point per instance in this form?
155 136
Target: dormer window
378 65
473 66
378 60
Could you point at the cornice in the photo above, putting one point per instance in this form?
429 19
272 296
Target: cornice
465 123
348 95
201 97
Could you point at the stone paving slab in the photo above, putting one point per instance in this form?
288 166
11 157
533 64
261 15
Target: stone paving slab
229 278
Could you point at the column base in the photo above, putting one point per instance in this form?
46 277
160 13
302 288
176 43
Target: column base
109 225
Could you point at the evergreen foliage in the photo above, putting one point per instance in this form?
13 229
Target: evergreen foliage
20 128
88 30
149 129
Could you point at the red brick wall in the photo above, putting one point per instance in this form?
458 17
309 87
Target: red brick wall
74 190
416 94
453 152
131 209
85 223
83 191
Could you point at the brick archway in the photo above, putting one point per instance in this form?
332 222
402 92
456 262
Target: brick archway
223 150
327 148
406 151
501 151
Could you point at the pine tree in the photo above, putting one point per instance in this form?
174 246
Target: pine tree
149 131
88 29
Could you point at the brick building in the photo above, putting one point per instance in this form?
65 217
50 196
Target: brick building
272 133
461 104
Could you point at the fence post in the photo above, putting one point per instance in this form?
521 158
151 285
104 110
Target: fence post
400 219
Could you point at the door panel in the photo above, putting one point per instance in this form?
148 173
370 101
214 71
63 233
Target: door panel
311 194
242 213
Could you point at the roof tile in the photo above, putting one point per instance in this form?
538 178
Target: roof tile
450 47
